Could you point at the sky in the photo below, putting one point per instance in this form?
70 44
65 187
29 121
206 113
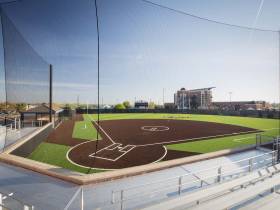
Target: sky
144 49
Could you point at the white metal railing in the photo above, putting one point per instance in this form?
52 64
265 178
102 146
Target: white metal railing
13 203
80 192
256 196
168 185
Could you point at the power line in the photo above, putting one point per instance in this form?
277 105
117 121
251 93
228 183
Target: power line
207 19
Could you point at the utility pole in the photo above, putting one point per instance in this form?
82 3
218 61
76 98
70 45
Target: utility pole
230 94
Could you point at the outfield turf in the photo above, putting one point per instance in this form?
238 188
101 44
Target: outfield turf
84 130
55 154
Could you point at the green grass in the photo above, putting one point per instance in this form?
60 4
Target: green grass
84 130
55 154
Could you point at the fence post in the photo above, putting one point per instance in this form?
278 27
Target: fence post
122 200
250 165
180 185
219 178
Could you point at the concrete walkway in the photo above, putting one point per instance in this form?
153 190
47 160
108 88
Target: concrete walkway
48 193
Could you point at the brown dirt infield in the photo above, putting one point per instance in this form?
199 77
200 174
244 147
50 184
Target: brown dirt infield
127 143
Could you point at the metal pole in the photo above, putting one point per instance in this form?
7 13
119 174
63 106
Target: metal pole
122 199
113 197
50 97
98 80
279 78
82 198
250 165
180 185
4 54
219 178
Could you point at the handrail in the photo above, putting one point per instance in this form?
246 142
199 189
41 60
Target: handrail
194 172
179 184
78 192
175 186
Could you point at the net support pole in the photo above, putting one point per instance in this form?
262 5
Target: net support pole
279 81
4 54
50 92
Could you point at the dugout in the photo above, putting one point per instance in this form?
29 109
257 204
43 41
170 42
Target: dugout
39 115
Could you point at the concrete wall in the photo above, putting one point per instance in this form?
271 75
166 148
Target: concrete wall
30 144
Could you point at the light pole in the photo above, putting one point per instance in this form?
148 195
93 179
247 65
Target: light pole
230 94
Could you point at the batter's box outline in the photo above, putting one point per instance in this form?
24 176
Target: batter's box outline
111 147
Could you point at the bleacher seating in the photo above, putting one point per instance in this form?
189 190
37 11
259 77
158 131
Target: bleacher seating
227 194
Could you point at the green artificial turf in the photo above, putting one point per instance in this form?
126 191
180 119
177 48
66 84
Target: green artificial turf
55 154
84 130
268 127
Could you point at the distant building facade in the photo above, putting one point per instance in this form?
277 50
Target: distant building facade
169 106
242 105
141 105
193 99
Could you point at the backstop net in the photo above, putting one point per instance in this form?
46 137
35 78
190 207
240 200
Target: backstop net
26 88
158 48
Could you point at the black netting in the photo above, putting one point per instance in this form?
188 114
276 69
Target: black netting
149 52
26 73
25 90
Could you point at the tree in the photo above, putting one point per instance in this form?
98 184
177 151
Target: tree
20 107
151 105
194 102
119 106
127 104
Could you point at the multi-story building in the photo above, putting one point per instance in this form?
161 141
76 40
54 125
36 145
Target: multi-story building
193 99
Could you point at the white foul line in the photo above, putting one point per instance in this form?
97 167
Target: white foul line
104 132
197 138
